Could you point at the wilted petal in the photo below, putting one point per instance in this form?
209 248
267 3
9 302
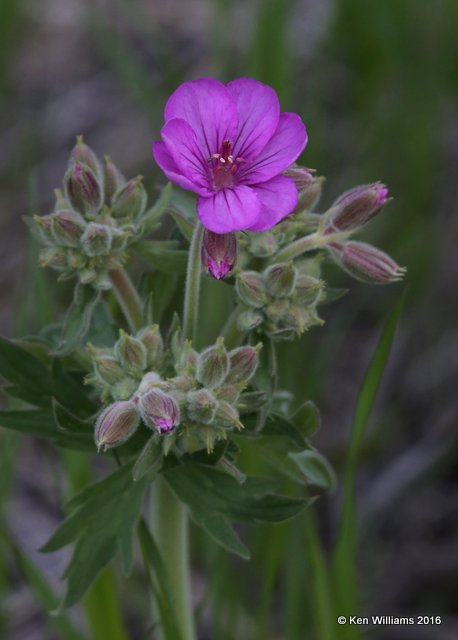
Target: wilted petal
209 108
229 209
258 110
169 167
285 146
278 198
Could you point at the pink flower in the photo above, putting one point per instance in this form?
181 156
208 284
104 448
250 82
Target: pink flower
230 144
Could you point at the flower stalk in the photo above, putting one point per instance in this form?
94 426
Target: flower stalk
192 288
128 298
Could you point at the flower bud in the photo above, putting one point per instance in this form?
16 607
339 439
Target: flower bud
219 253
251 289
280 279
87 275
114 179
130 200
83 190
263 245
75 259
82 153
277 310
96 240
251 401
54 257
201 406
355 208
307 289
301 176
297 318
124 389
102 281
43 225
187 359
67 228
366 263
130 351
152 339
159 410
249 320
107 369
229 393
115 424
243 364
213 365
227 416
181 384
309 196
149 380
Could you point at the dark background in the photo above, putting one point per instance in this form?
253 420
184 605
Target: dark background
376 83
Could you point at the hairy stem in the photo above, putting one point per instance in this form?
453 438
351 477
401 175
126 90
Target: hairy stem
192 290
170 527
128 298
315 240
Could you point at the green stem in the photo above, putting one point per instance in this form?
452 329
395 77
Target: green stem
171 528
192 289
128 298
230 332
313 241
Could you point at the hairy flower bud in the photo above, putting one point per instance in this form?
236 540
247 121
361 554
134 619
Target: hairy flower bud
243 364
219 253
83 190
43 227
82 153
96 240
107 369
152 339
277 310
307 289
130 199
263 245
280 279
366 263
115 424
310 195
149 380
297 318
187 359
249 320
251 289
227 416
201 406
301 176
87 275
213 365
67 228
54 257
228 392
113 181
159 410
124 389
355 208
130 351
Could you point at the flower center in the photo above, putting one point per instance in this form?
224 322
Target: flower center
223 167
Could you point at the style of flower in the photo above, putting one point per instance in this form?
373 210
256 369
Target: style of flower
230 144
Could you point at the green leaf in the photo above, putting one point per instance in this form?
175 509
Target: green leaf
26 372
307 418
103 514
183 223
315 468
215 497
78 319
68 422
162 256
152 217
149 461
38 423
219 528
345 551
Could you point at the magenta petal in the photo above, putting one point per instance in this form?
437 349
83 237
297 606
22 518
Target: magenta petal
229 209
209 108
181 142
278 198
280 152
169 167
258 113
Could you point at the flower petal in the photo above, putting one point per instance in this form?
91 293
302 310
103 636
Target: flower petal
229 209
278 198
280 152
181 142
209 108
258 113
169 167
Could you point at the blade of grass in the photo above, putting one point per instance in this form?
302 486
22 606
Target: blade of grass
345 559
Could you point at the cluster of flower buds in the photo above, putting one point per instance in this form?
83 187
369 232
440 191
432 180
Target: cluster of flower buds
196 407
118 371
94 220
281 301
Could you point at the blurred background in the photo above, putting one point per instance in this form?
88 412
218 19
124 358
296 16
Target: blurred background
377 85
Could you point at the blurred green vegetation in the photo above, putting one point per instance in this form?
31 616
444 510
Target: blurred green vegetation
377 89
